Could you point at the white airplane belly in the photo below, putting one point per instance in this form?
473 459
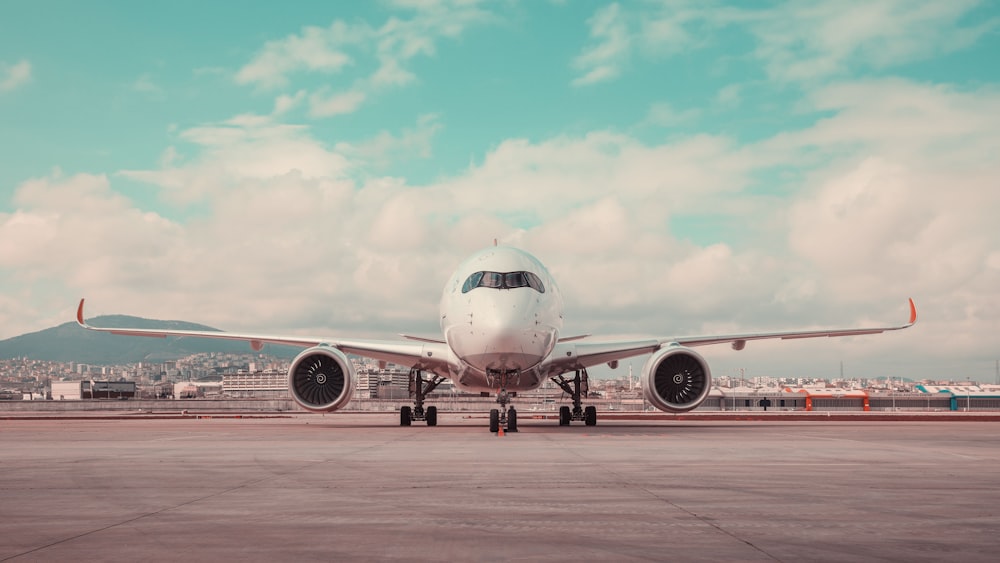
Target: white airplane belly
502 350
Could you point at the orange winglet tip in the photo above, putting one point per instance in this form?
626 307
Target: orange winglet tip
79 314
913 312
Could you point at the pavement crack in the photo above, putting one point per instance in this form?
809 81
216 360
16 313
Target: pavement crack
196 500
640 487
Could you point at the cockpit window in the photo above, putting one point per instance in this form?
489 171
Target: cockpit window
534 282
514 279
492 279
507 280
472 282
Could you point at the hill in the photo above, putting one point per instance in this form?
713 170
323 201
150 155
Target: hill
70 343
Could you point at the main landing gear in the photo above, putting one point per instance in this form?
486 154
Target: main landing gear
419 389
503 417
576 387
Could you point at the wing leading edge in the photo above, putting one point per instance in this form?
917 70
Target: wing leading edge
571 356
740 340
427 355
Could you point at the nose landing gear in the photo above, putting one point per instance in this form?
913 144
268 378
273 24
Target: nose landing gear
503 417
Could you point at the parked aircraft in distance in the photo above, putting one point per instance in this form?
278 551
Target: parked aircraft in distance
501 317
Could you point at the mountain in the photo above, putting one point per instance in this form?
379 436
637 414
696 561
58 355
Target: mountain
70 343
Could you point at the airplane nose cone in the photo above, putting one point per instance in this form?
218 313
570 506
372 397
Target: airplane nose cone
507 337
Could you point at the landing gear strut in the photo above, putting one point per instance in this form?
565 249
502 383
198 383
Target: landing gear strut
577 387
419 389
503 417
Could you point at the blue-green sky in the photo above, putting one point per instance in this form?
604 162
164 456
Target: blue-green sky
682 166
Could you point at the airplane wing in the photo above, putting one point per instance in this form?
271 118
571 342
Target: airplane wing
572 356
427 355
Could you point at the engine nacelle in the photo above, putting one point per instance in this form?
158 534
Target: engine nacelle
676 379
321 379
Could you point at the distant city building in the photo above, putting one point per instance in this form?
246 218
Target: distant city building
86 389
197 389
258 384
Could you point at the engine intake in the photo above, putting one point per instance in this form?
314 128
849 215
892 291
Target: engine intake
676 379
321 379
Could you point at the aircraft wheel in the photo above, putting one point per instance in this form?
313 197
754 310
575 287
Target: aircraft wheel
590 416
494 421
405 416
512 420
432 416
564 415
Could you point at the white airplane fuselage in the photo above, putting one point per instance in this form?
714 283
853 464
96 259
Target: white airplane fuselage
500 326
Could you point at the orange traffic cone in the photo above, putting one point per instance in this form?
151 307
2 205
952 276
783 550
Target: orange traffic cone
500 431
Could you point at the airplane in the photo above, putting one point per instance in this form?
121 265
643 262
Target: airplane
501 316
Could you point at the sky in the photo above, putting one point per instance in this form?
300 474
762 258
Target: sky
681 167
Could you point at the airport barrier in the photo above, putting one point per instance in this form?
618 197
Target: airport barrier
757 402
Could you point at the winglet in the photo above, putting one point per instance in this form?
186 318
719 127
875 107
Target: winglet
79 315
913 312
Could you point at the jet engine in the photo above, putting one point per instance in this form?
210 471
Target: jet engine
676 379
321 379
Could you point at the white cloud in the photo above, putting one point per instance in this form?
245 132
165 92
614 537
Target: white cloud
329 50
597 74
244 148
384 148
602 60
901 204
665 115
321 105
285 103
169 157
914 206
390 73
807 41
315 49
795 41
145 85
12 76
730 95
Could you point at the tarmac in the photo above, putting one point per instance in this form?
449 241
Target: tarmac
358 487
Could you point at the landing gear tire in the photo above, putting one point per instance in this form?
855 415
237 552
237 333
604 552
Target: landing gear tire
432 416
512 420
590 416
564 415
494 421
405 416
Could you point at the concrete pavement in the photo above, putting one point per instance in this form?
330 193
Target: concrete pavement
359 487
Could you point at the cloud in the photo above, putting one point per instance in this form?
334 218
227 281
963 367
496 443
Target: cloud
331 49
13 76
729 96
244 148
284 103
385 147
144 84
807 41
314 49
892 195
665 115
336 104
881 217
601 61
794 41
